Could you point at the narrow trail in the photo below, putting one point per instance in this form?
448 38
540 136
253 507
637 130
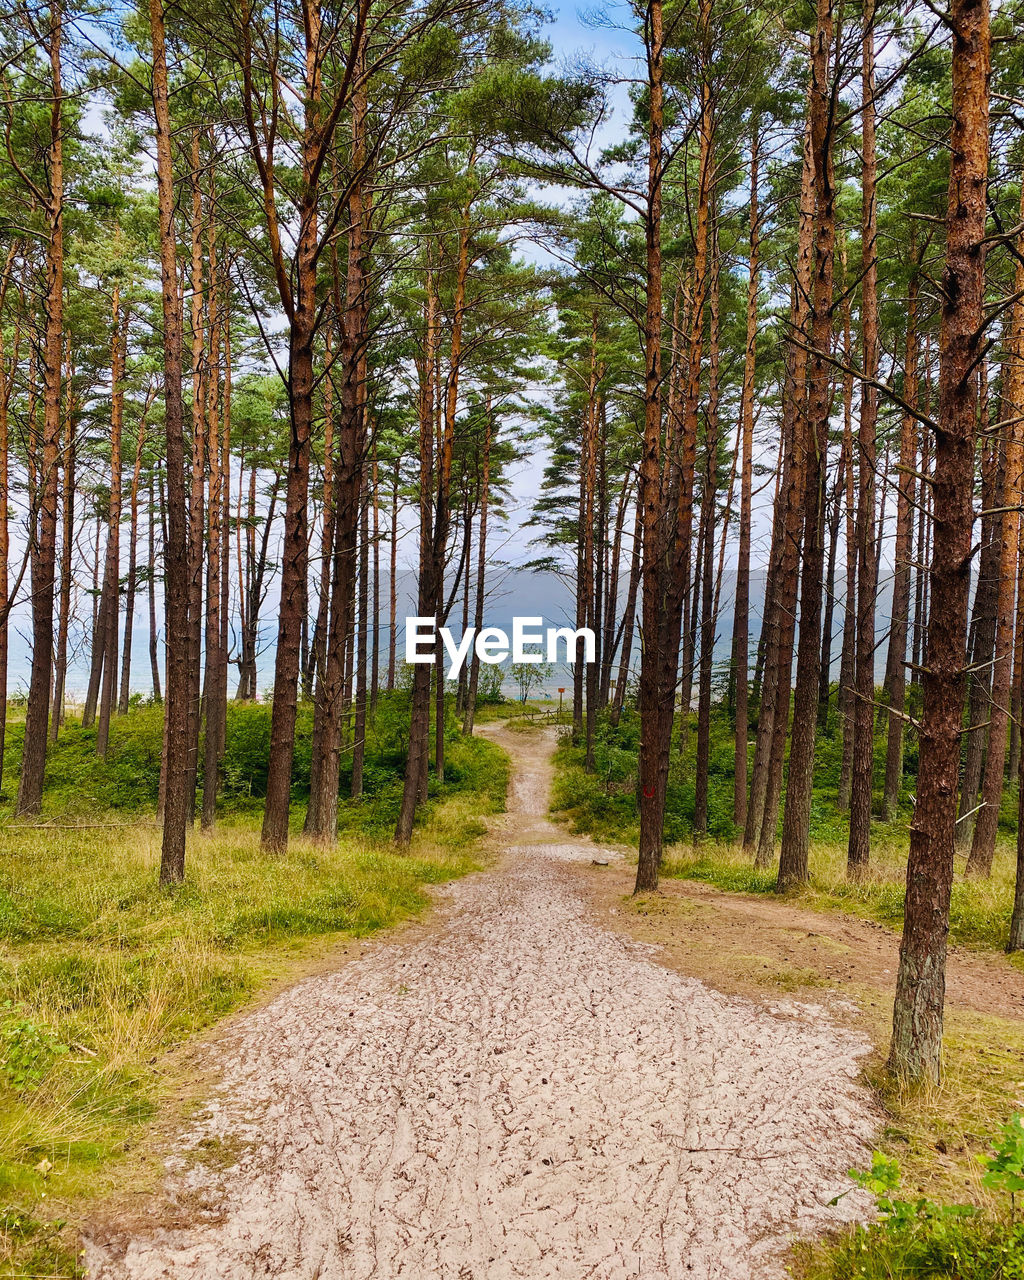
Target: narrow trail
512 1092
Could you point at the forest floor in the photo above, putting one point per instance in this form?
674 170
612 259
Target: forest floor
513 1088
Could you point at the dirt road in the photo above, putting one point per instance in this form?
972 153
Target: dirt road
514 1091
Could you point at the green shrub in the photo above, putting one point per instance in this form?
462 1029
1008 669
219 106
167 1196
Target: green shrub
27 1051
604 802
924 1240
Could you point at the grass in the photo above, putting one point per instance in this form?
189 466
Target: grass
103 972
976 1247
979 912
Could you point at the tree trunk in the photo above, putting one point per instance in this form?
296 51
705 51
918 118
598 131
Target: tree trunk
442 608
176 814
793 866
333 688
862 780
154 657
923 529
362 638
66 552
303 316
131 586
434 531
44 524
612 629
587 592
766 661
835 507
847 659
986 826
112 573
780 605
319 647
982 639
215 699
197 488
709 504
665 575
741 607
375 592
652 764
481 573
393 577
419 713
920 986
691 624
1013 769
628 619
896 661
5 511
225 517
1013 407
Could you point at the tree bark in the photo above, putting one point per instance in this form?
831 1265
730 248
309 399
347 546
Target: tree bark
154 658
481 574
982 640
319 646
741 607
766 661
176 796
197 488
112 571
5 510
847 659
665 571
588 558
780 602
628 619
986 825
393 577
916 1047
131 586
1013 768
298 290
44 524
375 589
612 628
793 866
896 661
419 714
862 780
66 551
333 689
215 699
709 506
362 645
835 509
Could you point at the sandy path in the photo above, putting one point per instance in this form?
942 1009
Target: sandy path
514 1093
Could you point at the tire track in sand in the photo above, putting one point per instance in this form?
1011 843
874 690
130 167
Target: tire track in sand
516 1093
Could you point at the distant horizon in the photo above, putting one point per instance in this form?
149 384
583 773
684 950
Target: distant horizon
544 593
